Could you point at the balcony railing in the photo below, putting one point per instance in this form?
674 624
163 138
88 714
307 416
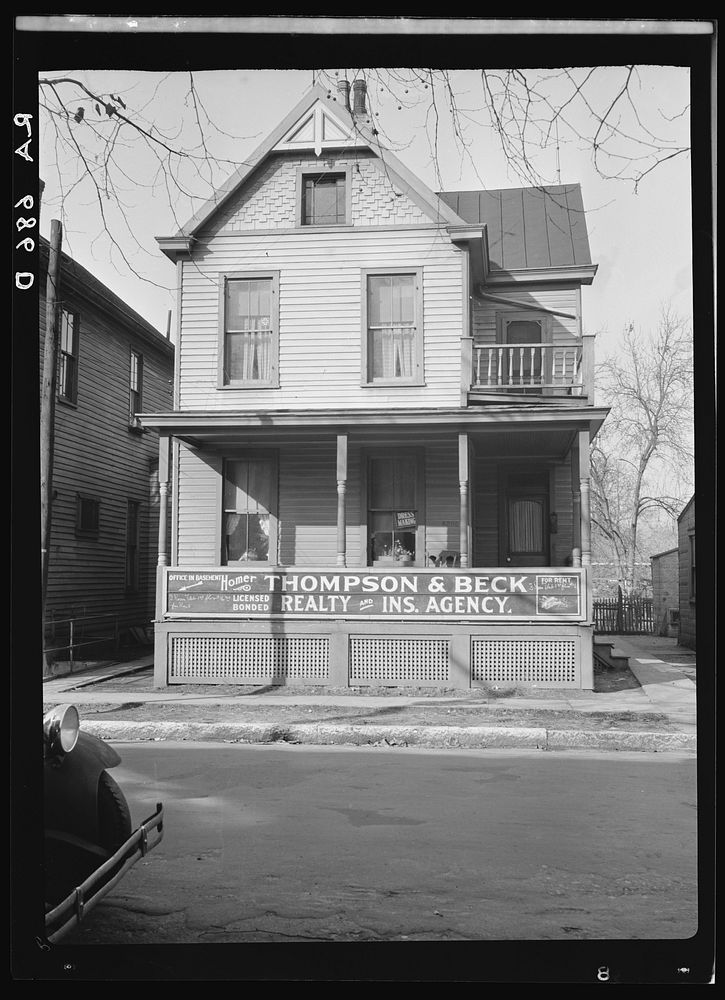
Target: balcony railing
528 368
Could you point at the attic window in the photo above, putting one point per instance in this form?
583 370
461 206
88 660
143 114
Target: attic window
324 199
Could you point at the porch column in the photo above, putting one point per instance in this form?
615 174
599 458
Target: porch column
163 558
341 487
463 481
576 539
584 476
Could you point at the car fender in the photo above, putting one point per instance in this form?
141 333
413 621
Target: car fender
71 788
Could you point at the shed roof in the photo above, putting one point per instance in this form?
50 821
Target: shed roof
528 227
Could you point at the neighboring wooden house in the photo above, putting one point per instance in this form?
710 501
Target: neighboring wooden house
688 575
105 498
379 447
665 592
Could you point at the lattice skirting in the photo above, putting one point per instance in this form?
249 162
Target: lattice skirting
414 661
550 662
253 659
461 658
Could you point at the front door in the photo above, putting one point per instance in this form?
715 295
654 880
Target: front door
524 532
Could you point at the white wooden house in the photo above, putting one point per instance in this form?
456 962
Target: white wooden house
378 453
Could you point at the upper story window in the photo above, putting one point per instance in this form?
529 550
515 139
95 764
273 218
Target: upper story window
250 330
68 356
693 574
525 361
393 328
135 388
323 197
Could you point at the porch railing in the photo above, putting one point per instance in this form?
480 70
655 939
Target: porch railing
529 368
74 634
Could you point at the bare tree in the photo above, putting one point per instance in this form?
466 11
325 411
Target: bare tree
530 111
116 152
642 459
117 147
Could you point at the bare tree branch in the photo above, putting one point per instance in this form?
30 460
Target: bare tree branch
649 387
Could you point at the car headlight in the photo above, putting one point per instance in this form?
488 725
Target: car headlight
61 726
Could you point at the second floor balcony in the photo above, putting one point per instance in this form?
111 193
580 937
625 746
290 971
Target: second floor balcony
525 372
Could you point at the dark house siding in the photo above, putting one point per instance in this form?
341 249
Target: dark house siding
686 544
96 455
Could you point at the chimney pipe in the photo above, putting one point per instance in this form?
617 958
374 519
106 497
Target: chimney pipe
343 89
359 90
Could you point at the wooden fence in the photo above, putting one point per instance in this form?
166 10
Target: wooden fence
624 615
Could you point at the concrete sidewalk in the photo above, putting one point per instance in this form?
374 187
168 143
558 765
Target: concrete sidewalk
665 672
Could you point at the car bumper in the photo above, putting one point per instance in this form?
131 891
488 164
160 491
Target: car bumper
68 914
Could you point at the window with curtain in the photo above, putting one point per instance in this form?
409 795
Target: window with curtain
135 386
392 482
392 327
523 364
248 495
68 356
323 200
250 331
526 525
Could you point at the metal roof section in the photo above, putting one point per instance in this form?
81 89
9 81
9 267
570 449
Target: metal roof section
528 228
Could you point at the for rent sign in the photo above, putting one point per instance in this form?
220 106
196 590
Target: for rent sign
490 595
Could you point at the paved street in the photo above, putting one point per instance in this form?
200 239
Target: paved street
271 844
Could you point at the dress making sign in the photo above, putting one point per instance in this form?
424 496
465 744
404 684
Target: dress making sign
489 595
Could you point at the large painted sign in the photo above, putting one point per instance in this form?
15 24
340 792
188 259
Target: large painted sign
491 595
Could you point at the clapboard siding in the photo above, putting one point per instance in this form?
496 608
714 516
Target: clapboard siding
443 508
562 540
95 454
561 298
308 505
198 506
485 513
320 318
687 598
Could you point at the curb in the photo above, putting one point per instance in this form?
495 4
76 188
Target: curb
434 737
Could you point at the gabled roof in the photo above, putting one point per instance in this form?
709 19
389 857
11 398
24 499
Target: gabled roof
86 284
528 227
317 122
687 506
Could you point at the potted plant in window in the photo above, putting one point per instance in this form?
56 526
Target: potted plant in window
402 555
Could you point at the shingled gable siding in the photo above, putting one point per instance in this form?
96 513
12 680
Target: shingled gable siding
320 298
269 199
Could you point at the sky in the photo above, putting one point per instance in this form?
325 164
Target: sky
640 239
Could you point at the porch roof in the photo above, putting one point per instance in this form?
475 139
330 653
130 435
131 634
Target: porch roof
212 427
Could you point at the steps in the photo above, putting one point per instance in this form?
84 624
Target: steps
606 655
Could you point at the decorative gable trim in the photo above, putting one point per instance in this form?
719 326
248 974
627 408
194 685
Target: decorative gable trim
297 127
318 129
